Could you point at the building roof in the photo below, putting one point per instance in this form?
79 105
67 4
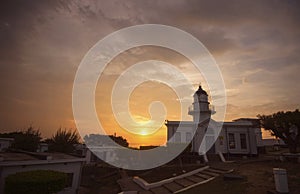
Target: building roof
179 122
6 139
246 119
237 122
29 158
200 91
189 123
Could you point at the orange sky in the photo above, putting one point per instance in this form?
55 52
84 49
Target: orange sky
146 93
255 43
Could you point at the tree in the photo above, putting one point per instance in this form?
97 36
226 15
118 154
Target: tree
102 140
284 125
25 140
119 140
63 141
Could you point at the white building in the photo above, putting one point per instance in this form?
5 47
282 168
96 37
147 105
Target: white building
97 154
273 142
11 163
5 143
43 147
241 136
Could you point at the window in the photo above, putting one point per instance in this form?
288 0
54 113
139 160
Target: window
188 137
177 137
243 141
231 141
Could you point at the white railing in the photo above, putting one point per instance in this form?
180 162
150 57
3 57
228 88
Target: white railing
211 108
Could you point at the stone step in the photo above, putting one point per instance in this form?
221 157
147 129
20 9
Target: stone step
173 187
179 185
195 179
219 171
204 176
210 173
184 182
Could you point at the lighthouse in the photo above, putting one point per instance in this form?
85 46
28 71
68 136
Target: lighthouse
241 136
201 109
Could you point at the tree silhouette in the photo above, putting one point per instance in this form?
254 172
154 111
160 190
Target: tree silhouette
25 140
120 140
102 140
63 141
284 125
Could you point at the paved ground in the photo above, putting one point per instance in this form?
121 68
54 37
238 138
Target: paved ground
178 185
258 172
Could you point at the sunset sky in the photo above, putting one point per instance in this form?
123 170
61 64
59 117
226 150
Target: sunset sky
255 43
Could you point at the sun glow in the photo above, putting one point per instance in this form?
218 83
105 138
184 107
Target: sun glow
144 132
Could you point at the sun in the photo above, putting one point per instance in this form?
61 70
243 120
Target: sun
143 132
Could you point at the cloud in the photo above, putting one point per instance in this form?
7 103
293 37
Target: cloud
255 43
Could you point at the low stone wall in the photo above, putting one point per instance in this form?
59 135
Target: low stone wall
145 185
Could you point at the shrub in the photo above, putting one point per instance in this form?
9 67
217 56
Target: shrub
63 141
37 182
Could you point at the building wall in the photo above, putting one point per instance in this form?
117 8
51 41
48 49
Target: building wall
250 139
273 142
5 143
74 167
197 140
258 135
250 135
222 142
179 136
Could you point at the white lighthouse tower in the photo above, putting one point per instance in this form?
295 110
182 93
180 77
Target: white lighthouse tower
201 109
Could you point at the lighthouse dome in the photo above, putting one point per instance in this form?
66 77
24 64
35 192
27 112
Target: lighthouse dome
200 91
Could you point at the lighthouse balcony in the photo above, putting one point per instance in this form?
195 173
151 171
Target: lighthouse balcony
192 110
